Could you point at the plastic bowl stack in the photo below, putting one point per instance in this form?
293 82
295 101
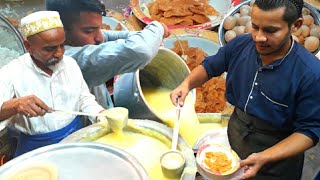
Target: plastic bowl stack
238 21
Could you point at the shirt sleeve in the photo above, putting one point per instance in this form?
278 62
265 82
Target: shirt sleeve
115 35
87 102
217 64
308 110
99 63
6 90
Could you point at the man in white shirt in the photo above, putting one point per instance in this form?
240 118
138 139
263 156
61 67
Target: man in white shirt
41 80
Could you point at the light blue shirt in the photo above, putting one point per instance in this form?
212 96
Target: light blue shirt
121 52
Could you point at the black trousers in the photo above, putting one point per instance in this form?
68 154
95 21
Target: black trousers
248 135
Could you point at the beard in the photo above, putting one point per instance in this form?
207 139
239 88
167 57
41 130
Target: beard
53 61
50 63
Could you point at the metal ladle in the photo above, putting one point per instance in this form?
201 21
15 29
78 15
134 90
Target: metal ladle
173 161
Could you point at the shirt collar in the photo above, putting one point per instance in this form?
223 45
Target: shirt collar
56 68
277 62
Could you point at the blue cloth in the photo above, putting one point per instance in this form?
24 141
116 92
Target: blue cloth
285 93
28 143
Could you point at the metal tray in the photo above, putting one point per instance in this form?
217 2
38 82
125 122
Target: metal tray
82 161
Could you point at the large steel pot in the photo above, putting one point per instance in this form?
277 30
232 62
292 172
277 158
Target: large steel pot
147 128
166 70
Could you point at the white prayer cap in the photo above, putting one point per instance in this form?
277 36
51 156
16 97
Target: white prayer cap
40 21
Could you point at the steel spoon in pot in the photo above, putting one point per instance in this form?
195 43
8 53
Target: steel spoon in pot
173 161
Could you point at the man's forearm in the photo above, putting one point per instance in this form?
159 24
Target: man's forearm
293 145
196 78
7 110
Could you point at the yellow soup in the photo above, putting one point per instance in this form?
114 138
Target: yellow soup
145 149
159 100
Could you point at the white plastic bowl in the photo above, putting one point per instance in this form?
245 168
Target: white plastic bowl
205 171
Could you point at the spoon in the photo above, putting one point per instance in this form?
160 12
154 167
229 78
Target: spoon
74 112
173 161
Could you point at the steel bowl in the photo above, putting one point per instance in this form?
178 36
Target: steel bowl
221 31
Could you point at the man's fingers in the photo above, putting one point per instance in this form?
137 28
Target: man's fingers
249 173
42 105
244 162
182 99
35 110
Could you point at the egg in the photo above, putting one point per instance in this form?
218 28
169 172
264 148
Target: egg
305 30
305 11
308 20
237 16
229 22
297 32
239 29
243 20
245 10
315 31
311 43
230 35
312 26
248 27
301 39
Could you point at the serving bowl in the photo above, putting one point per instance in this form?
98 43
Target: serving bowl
210 172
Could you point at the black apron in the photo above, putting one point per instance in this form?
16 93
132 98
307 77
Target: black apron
248 135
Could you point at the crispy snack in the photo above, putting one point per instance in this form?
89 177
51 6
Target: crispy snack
218 162
118 27
210 97
108 27
181 12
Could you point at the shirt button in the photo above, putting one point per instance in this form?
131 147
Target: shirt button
256 84
251 97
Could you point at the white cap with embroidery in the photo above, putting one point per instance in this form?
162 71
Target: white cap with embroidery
40 21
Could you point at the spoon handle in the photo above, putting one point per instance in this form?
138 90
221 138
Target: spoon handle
175 137
74 112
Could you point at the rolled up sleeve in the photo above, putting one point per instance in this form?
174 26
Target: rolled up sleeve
308 110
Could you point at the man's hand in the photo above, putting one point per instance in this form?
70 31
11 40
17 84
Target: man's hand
30 106
180 92
166 31
252 165
291 146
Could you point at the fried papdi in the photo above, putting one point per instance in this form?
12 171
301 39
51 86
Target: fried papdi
108 27
210 97
181 12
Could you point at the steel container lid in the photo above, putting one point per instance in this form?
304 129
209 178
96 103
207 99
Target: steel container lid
82 161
